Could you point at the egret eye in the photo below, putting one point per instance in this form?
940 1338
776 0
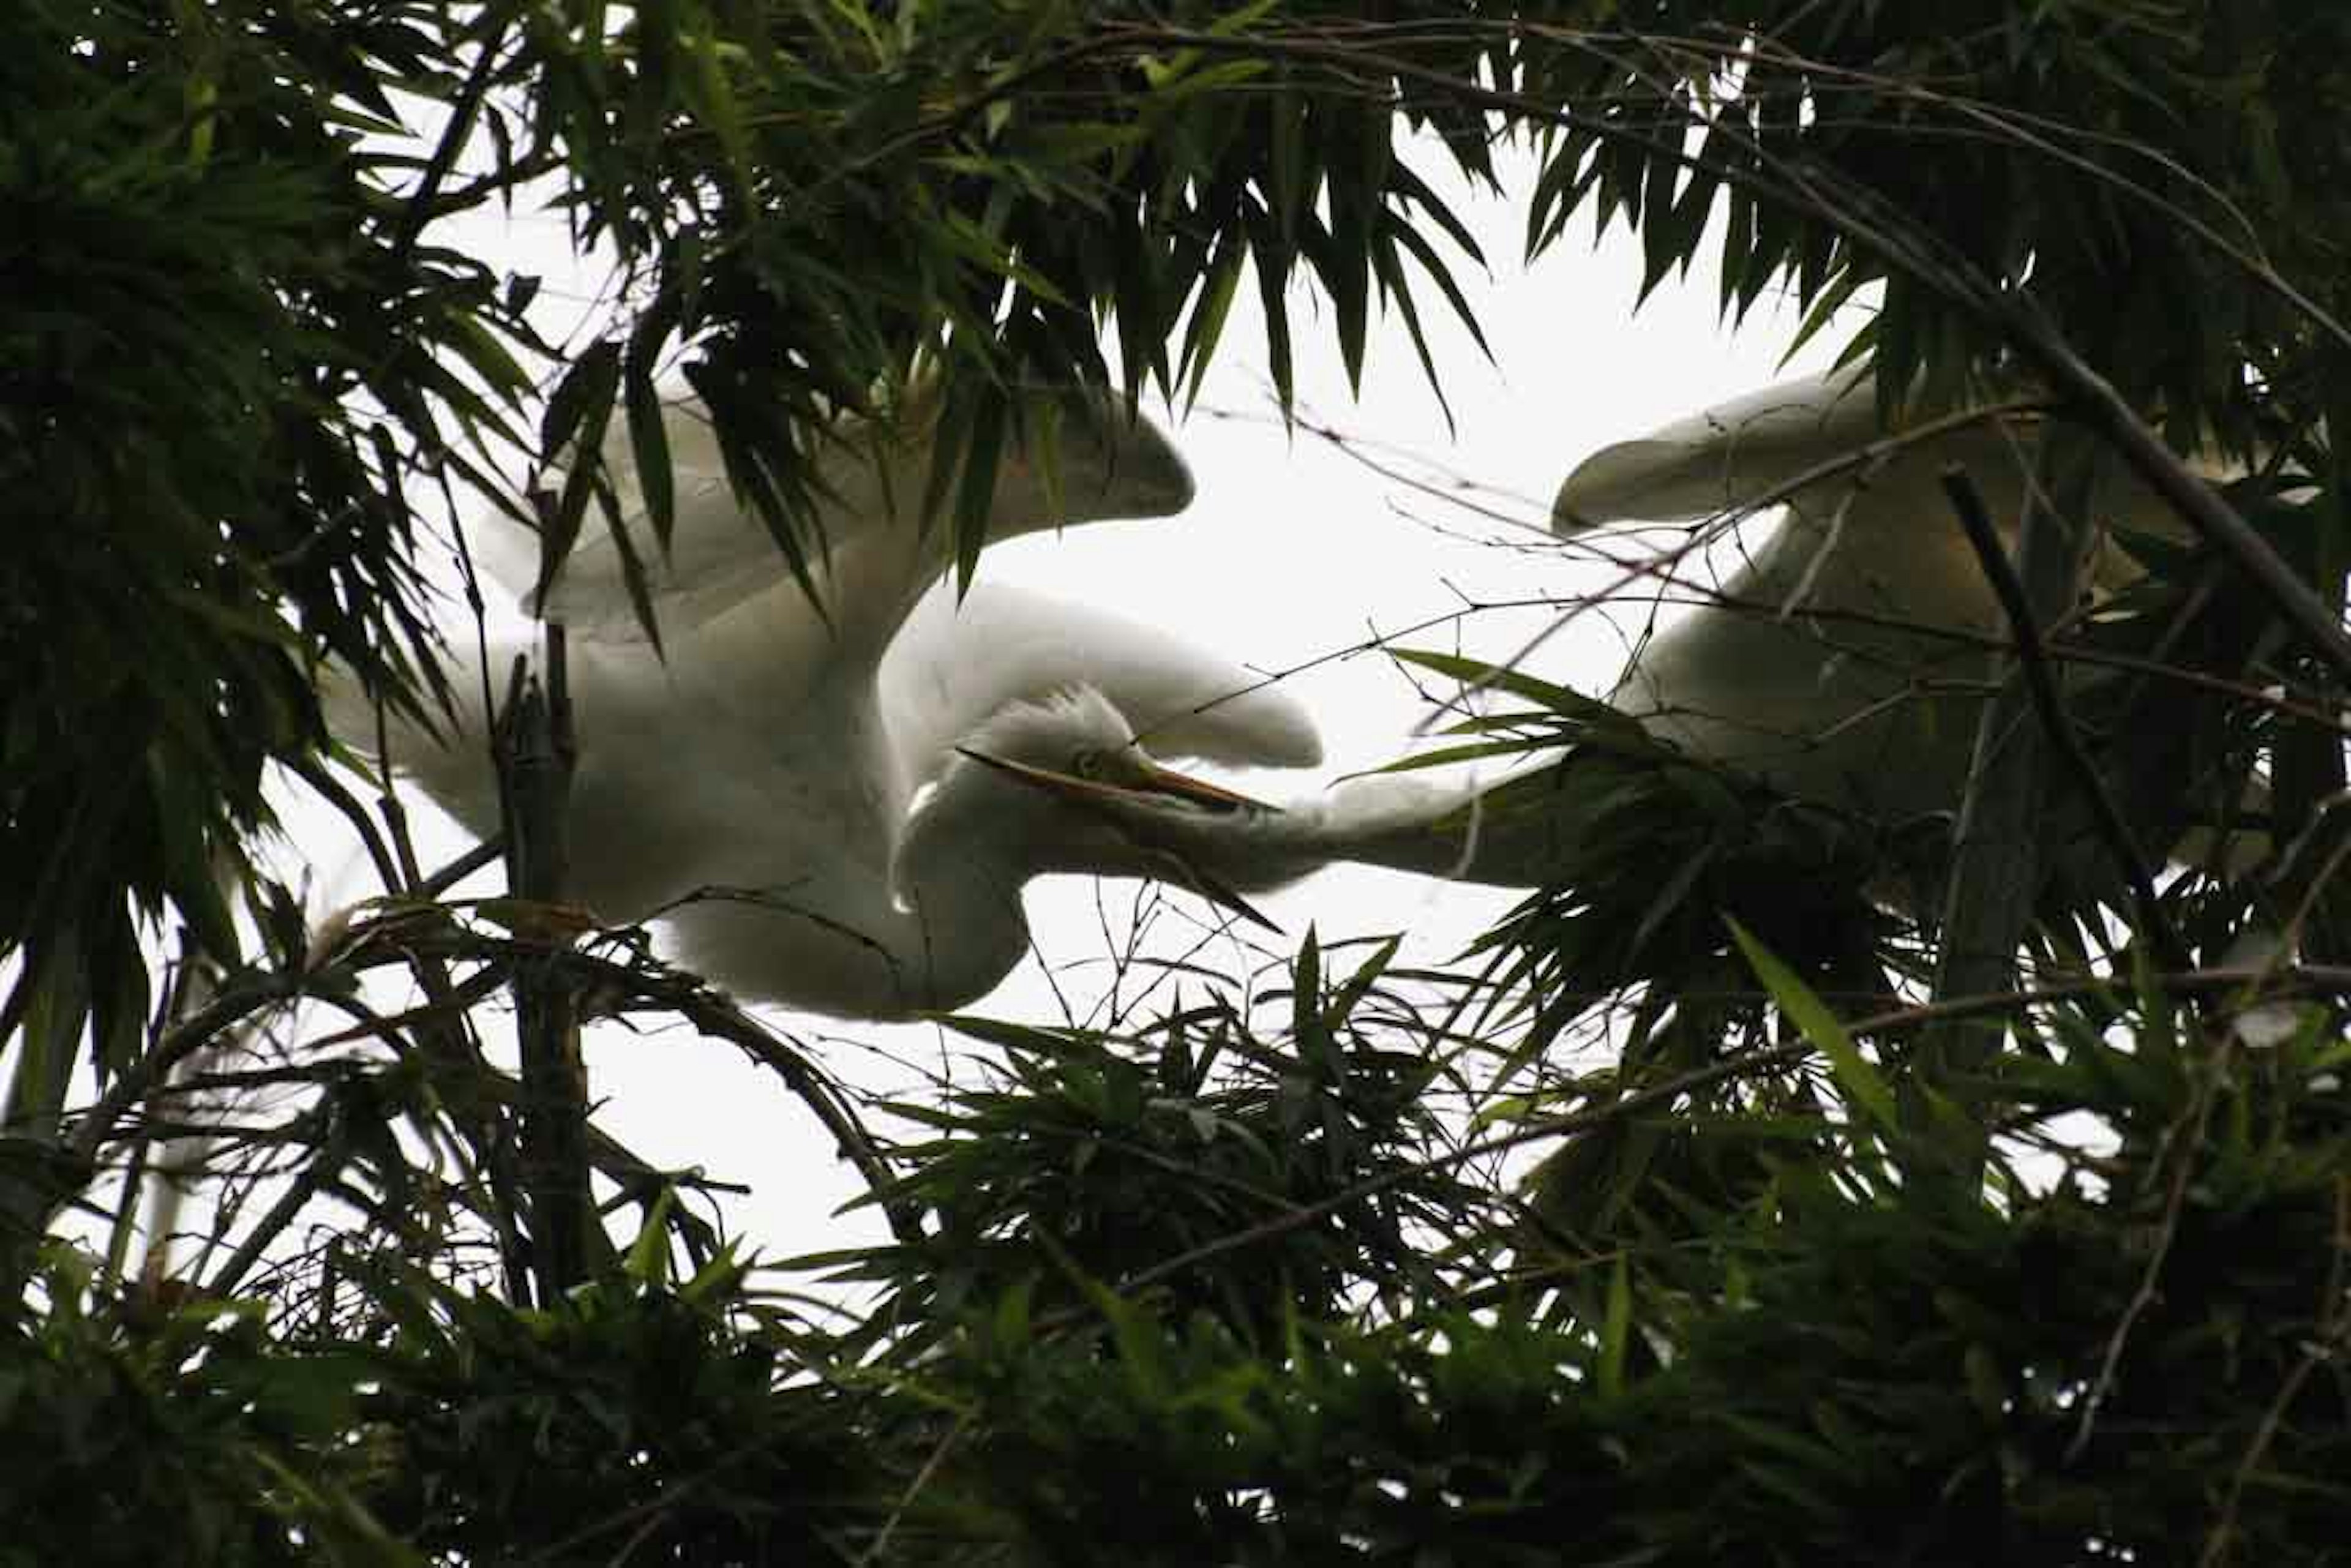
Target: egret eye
1087 764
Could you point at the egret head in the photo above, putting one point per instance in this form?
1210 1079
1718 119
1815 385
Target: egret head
1065 783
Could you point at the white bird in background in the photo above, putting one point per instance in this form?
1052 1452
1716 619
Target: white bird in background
784 790
1812 669
1813 666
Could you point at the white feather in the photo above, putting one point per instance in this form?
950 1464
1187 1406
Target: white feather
776 753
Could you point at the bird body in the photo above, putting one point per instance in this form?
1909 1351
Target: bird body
1842 662
838 811
781 787
1843 659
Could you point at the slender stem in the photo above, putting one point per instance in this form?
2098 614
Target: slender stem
324 1167
1996 865
537 756
2049 703
444 1034
2307 761
2332 980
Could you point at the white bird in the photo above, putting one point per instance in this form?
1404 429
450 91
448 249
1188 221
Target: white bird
1814 668
799 772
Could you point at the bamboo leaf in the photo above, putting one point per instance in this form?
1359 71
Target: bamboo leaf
1861 1082
1616 1329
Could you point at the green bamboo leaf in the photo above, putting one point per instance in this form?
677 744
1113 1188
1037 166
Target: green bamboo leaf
648 1258
712 96
1359 984
587 392
1236 23
649 443
1196 80
1518 683
1206 326
586 386
1862 1084
1012 1037
1286 174
1273 256
1738 254
1396 290
959 235
1559 188
1445 756
634 578
982 457
487 355
1442 276
1306 990
1341 258
1617 1329
1011 1317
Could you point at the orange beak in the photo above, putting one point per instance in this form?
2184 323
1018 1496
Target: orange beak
1146 777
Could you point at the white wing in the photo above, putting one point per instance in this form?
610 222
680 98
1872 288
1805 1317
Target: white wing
1727 457
720 554
1109 463
953 666
1722 458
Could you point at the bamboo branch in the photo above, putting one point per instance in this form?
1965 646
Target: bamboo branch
2049 703
1996 870
2243 981
537 756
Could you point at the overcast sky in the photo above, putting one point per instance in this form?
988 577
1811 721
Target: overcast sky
1294 553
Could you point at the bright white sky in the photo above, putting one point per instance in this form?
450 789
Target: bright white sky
1293 552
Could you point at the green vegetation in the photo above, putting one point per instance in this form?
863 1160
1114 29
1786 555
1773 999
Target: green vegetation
1853 1251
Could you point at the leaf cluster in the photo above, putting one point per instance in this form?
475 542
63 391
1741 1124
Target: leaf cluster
1860 1360
2103 159
829 204
1101 1158
225 361
1207 1289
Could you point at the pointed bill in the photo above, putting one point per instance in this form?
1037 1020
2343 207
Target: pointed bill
1142 779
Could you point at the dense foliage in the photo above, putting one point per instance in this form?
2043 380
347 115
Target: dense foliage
1808 1271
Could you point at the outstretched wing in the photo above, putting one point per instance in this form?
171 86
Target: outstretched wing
1107 461
1730 457
720 554
1723 458
953 665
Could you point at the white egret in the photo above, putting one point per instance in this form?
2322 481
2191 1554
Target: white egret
1814 668
783 789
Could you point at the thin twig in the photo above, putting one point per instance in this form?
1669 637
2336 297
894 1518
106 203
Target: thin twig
2032 660
714 1015
2333 1330
324 1166
2182 1152
880 1543
2328 978
97 1124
